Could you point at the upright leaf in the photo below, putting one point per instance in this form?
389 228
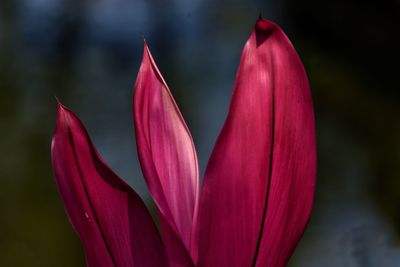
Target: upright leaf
167 155
292 180
259 183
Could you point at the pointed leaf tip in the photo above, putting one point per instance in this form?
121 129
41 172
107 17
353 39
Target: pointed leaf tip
144 42
57 100
142 35
60 106
263 30
264 25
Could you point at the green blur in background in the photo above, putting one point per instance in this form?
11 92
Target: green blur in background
88 52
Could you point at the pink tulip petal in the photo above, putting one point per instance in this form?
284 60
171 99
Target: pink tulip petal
110 218
166 152
260 180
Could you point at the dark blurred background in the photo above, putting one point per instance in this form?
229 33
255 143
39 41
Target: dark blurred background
88 53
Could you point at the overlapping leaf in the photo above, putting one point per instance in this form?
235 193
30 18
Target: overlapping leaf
258 187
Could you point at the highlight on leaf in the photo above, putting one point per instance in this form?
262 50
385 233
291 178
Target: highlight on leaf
259 184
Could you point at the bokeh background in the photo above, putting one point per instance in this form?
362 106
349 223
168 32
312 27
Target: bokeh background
87 53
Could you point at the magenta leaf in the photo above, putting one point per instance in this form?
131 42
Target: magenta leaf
258 187
260 180
110 218
167 156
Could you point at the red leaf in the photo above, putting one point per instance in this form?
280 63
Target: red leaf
260 180
167 155
109 217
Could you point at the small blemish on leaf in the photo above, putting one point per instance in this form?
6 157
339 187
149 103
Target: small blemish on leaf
88 217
